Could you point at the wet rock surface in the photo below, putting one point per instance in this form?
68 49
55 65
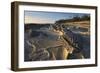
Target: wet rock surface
45 44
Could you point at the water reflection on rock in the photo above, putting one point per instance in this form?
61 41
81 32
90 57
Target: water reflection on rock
43 42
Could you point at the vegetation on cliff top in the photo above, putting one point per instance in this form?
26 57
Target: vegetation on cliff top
74 19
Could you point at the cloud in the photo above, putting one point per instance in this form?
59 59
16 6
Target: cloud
30 19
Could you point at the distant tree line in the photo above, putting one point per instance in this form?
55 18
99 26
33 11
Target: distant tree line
75 18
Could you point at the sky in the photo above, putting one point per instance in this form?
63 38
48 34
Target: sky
47 17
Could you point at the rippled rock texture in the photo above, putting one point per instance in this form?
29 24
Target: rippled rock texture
43 42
